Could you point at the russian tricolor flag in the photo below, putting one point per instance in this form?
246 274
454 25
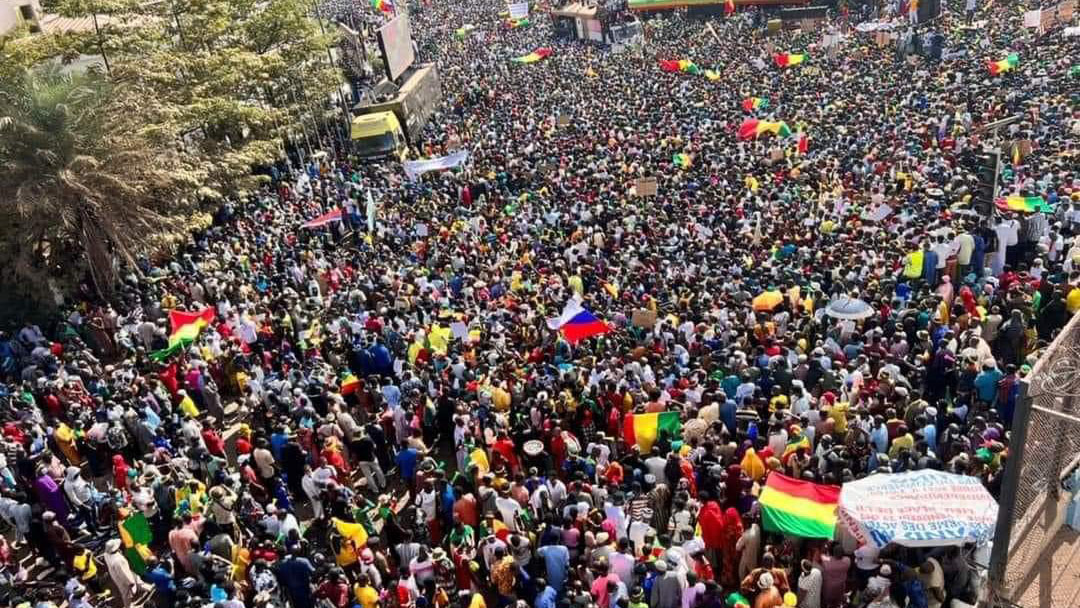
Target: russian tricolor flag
577 324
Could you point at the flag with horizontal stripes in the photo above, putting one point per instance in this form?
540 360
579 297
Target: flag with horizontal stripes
644 429
799 508
786 60
576 323
185 328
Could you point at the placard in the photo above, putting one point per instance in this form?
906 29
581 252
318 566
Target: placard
563 120
1032 18
518 10
643 318
645 186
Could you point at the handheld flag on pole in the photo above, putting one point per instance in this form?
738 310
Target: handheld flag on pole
643 430
752 128
786 60
576 324
799 508
185 328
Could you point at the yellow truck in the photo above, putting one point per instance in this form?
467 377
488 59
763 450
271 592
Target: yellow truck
378 135
384 125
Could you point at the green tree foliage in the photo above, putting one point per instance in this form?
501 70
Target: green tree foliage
83 187
213 84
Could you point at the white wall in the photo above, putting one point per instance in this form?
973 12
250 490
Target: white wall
9 13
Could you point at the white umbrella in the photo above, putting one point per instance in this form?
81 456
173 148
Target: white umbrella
847 307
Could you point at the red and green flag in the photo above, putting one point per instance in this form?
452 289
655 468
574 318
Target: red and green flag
516 23
1000 67
753 128
679 65
754 103
729 7
349 384
786 60
533 57
643 430
799 508
1024 204
185 328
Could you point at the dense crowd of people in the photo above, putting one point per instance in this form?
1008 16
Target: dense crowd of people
387 419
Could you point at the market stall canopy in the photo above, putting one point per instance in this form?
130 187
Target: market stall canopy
324 219
918 509
846 307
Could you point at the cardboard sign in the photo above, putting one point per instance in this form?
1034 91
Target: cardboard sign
645 186
643 318
563 120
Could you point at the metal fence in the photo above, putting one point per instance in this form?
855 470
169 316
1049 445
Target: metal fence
1035 559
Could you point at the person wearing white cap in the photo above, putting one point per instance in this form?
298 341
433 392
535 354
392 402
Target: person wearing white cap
121 574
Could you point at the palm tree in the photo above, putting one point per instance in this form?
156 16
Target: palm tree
83 185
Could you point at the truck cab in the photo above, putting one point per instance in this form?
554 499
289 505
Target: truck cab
378 135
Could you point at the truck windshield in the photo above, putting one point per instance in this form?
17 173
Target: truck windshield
374 144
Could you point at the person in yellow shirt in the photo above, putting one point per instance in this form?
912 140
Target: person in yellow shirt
838 412
365 594
187 405
1072 301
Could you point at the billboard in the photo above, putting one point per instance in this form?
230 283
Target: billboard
395 43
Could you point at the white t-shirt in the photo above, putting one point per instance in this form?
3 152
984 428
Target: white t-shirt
1008 233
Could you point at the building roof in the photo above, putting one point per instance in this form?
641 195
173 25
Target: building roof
575 9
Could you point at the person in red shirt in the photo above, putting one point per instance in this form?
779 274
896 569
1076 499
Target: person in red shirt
214 443
504 447
120 472
711 520
335 590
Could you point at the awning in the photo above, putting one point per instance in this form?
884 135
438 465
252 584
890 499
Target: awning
918 509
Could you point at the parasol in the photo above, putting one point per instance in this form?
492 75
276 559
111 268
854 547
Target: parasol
846 307
767 301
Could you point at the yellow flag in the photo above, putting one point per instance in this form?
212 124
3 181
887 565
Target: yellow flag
354 532
439 339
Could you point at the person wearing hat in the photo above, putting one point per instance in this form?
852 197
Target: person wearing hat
768 596
667 587
120 572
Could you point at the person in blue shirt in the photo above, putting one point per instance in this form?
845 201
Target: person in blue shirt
929 265
406 463
986 382
556 563
295 574
547 596
160 575
727 415
910 584
278 441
